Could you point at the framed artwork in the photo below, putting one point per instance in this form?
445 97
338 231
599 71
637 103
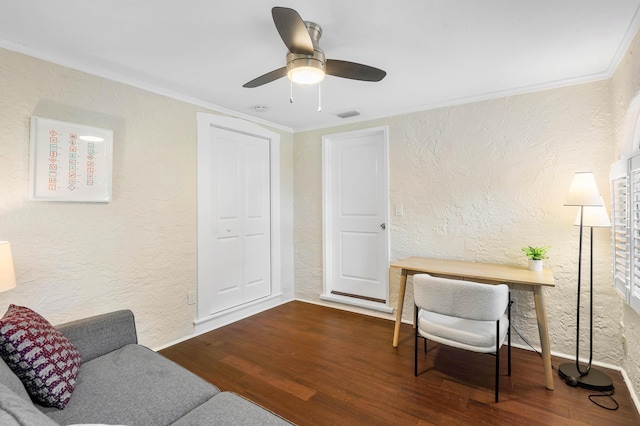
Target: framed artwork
70 162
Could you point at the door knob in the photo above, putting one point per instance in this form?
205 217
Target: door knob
383 225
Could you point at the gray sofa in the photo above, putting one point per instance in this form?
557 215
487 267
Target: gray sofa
121 382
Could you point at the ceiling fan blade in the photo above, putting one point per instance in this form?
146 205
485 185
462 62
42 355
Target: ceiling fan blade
354 71
292 30
266 78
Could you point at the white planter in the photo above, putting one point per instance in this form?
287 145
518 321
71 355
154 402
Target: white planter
535 265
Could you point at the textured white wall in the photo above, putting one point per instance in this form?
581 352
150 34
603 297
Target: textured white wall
138 251
478 182
626 109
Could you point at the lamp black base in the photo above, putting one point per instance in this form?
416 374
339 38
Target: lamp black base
595 380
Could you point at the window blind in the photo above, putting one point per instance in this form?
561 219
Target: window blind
620 236
625 211
634 296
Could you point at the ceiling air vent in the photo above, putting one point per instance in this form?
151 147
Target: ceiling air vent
349 114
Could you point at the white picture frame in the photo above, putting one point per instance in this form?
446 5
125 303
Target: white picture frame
70 162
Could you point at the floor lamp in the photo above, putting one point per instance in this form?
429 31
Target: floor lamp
584 193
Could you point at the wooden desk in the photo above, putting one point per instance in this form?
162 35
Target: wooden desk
490 273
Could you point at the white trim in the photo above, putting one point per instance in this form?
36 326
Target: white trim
204 123
630 129
117 77
626 250
120 78
350 308
623 47
634 396
229 316
360 303
625 43
619 169
625 376
487 96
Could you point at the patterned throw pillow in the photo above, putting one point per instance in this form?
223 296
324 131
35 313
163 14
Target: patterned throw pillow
42 357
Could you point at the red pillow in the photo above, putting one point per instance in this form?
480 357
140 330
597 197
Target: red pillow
42 357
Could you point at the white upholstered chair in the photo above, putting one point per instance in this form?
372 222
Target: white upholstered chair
463 314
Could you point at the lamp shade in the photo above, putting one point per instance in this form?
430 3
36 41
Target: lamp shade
7 273
595 217
306 75
583 191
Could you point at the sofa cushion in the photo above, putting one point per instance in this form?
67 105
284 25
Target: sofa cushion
45 360
16 411
227 408
10 380
133 386
100 334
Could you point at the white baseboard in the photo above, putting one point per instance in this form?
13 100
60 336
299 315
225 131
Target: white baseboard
625 376
360 303
229 316
634 397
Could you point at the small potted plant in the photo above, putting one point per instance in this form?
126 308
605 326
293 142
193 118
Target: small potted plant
535 256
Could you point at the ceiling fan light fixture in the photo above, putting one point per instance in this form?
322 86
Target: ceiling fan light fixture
306 69
306 75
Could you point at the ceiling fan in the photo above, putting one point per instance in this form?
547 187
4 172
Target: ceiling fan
306 62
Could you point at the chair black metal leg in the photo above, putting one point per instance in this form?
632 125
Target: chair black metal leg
415 342
509 357
509 336
415 357
497 358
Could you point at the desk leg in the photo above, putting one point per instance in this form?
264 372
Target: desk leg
541 315
401 291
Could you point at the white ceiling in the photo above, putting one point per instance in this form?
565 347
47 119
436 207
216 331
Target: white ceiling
435 52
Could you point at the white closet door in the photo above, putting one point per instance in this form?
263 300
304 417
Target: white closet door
240 251
256 219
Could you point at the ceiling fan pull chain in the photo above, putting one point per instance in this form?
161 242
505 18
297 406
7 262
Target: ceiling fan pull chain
291 92
319 97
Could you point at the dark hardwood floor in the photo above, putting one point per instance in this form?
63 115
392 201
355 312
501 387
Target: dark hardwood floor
320 366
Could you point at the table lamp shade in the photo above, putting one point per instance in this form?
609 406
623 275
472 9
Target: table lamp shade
595 217
583 191
7 273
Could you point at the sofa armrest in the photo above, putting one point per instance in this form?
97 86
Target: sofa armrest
98 335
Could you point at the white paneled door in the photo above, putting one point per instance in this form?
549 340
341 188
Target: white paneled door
356 248
234 258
